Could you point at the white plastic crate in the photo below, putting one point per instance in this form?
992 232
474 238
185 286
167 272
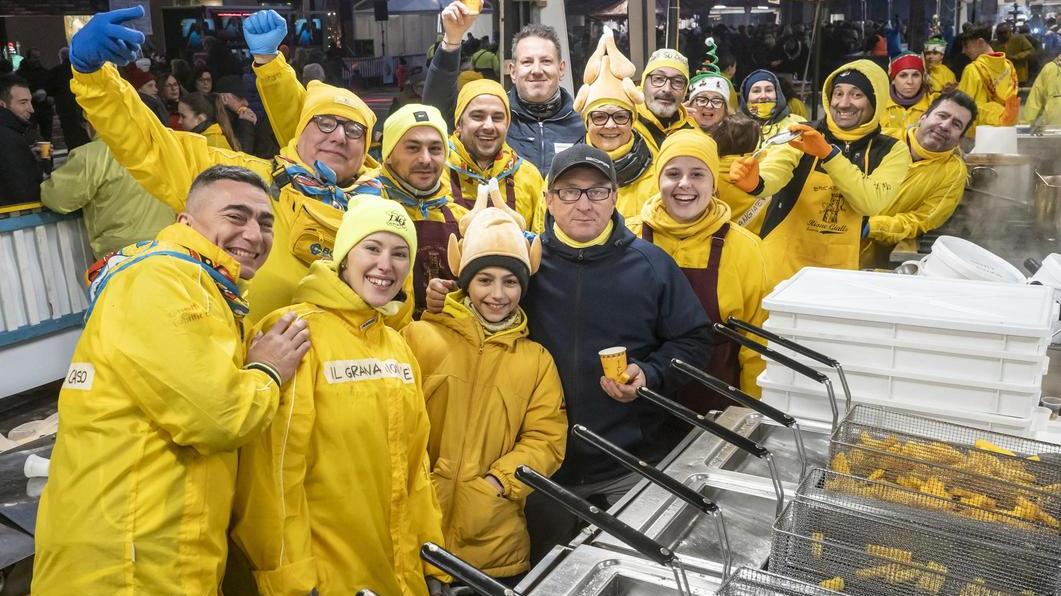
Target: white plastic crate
963 364
813 404
936 312
915 390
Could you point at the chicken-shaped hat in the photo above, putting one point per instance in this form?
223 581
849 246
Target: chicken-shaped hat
608 79
493 237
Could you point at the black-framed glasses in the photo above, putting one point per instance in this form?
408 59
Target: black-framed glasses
708 102
595 194
619 117
677 83
326 124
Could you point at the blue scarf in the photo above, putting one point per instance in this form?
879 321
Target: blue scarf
320 184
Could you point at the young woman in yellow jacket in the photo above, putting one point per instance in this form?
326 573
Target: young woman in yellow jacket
608 104
199 114
335 496
909 94
723 262
494 397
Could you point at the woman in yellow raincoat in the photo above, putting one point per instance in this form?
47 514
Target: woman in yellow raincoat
609 104
908 94
493 396
335 496
723 261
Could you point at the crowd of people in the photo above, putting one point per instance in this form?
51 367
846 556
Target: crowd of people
301 362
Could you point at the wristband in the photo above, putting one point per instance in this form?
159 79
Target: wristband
268 370
832 154
449 46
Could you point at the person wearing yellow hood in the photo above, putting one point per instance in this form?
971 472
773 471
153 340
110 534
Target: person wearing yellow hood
737 136
160 394
990 79
610 105
933 185
335 496
663 85
482 116
908 94
940 77
763 101
308 180
825 182
1044 100
508 411
722 261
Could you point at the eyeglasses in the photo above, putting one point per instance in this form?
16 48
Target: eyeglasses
708 102
327 124
676 83
595 194
620 117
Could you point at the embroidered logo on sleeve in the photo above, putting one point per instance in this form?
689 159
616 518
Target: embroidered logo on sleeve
80 376
369 369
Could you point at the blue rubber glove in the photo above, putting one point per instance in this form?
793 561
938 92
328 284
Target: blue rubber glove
104 39
264 31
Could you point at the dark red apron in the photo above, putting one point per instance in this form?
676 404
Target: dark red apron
723 363
458 196
432 244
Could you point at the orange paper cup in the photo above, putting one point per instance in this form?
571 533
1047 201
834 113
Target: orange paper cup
613 361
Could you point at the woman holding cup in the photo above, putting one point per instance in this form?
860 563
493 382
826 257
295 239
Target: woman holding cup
722 261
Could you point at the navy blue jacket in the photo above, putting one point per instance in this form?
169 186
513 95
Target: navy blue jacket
534 140
626 292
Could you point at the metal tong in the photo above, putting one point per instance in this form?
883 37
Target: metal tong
723 388
667 483
733 325
592 514
741 442
465 572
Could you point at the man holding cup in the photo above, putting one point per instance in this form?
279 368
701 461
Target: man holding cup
601 287
20 174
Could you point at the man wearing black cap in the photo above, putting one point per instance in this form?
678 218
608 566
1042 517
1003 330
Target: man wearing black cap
252 130
827 182
598 287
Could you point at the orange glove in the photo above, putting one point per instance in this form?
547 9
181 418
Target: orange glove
812 142
744 173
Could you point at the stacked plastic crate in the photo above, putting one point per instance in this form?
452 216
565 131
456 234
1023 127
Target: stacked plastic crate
970 351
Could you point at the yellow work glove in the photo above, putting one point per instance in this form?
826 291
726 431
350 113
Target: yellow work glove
744 173
812 142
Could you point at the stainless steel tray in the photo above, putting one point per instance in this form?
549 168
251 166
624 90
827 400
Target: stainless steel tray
591 571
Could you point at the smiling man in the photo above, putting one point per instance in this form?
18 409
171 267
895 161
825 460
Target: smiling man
664 83
825 182
160 394
933 185
307 181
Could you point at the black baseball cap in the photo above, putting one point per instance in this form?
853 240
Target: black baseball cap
231 84
582 155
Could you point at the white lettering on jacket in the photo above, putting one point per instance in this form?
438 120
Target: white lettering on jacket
369 369
80 376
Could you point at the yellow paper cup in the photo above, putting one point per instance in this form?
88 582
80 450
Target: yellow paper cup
613 361
474 6
45 149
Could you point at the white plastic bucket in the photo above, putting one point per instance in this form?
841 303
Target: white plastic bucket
996 139
957 258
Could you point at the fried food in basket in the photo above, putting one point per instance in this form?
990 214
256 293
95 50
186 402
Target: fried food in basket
932 583
817 547
892 573
835 584
888 552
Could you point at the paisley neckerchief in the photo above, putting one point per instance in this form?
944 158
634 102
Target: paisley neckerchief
103 270
320 185
464 169
630 166
384 186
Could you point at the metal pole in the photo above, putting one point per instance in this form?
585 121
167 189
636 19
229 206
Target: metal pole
816 82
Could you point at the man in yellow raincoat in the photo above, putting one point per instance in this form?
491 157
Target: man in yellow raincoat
481 117
664 84
158 398
990 79
1044 101
933 185
827 181
307 180
940 78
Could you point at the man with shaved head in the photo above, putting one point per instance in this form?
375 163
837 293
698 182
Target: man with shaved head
160 394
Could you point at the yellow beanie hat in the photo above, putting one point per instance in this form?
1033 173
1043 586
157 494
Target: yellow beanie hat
607 79
407 117
478 88
664 57
324 99
368 214
688 143
493 237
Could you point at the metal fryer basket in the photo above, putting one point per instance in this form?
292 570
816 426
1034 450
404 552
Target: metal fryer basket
880 423
911 507
753 582
813 539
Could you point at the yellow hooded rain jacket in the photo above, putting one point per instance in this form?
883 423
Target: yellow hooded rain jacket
991 81
495 402
336 494
1044 100
153 409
